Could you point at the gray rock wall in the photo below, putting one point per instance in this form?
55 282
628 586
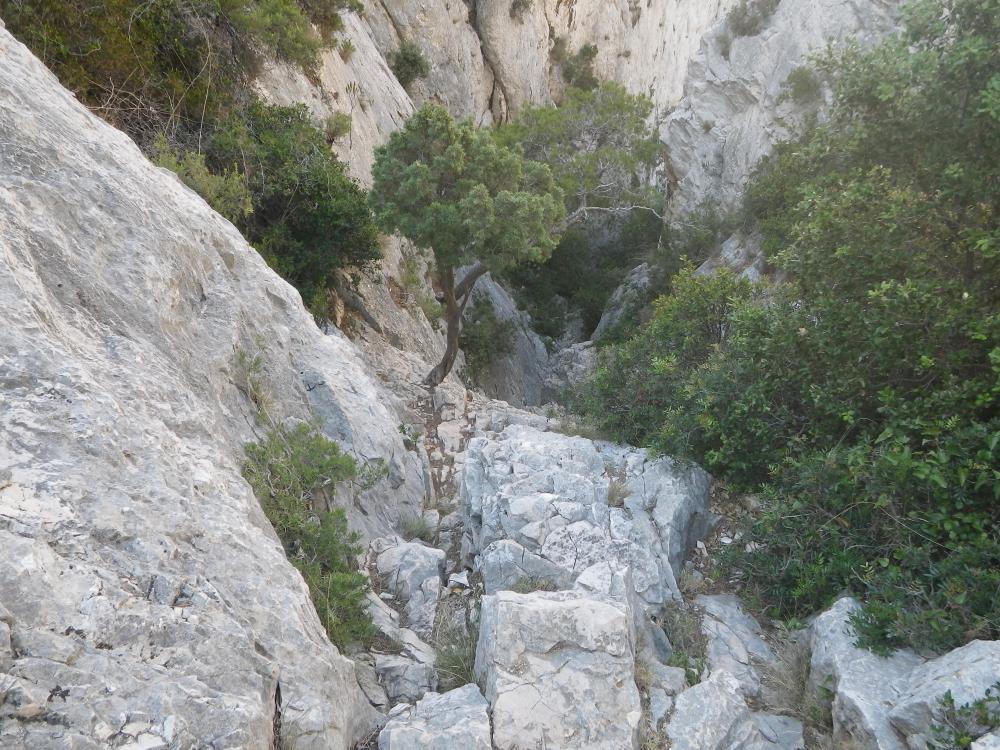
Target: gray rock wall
143 594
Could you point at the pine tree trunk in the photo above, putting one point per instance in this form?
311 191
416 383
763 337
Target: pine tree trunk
455 300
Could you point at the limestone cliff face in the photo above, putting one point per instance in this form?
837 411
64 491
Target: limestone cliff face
137 568
735 107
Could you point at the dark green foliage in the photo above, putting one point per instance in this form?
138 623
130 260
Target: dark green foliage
175 76
598 144
748 18
456 189
408 63
803 85
642 387
485 338
863 395
449 186
960 726
310 218
578 68
293 473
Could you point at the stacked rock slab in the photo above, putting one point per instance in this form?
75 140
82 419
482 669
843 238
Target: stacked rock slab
456 720
550 506
558 670
606 527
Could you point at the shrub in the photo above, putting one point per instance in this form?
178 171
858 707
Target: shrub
578 68
338 125
293 472
519 7
346 49
175 77
408 63
749 16
226 192
863 396
454 644
417 527
485 338
960 726
803 85
310 218
682 625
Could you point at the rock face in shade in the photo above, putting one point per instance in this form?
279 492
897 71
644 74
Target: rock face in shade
143 594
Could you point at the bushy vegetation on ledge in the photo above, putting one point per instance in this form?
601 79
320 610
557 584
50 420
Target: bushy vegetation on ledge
860 400
175 76
294 472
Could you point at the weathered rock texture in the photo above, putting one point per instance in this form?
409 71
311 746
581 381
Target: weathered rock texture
735 107
456 720
890 703
144 595
557 669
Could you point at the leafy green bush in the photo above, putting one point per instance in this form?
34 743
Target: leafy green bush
862 397
226 191
338 125
596 142
803 85
960 726
292 473
310 217
484 337
408 63
176 77
749 16
578 68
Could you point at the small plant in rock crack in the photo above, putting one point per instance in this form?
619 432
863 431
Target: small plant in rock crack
292 471
531 584
961 725
618 491
682 625
371 473
455 645
518 8
417 527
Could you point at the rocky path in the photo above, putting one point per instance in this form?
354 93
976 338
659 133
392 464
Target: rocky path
552 565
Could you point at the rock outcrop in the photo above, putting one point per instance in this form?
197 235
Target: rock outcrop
170 614
557 670
448 721
735 106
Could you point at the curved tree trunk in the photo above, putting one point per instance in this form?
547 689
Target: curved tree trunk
456 297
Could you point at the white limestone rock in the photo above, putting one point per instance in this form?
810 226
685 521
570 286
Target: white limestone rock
713 715
125 302
405 679
517 376
545 497
967 673
734 641
445 721
733 111
414 572
865 687
557 670
627 298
